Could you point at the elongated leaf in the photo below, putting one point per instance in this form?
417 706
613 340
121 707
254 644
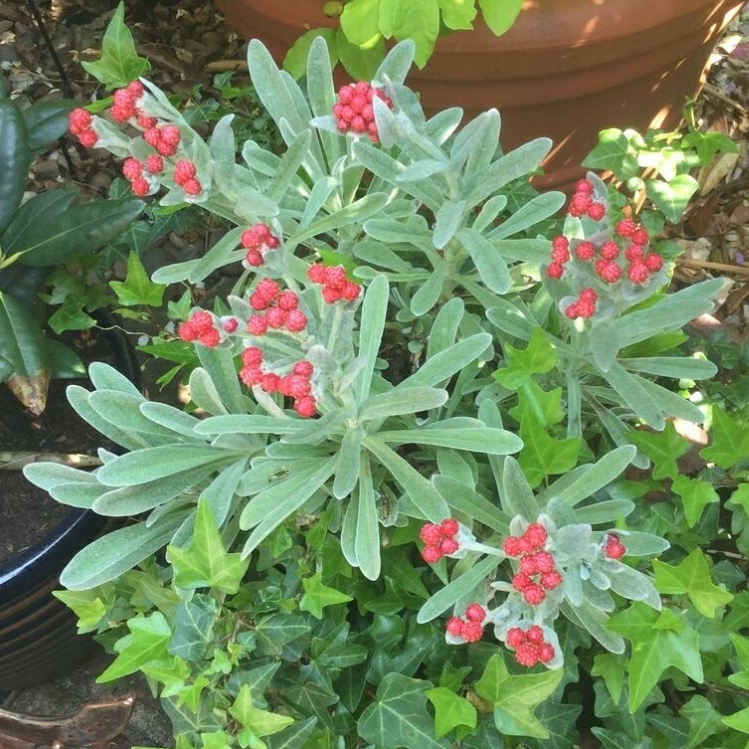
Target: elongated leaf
267 510
402 401
367 540
349 462
487 259
374 311
517 163
79 231
422 493
15 160
480 438
672 366
632 392
471 503
123 411
672 312
153 463
534 211
448 221
590 478
446 363
448 596
109 556
429 292
46 121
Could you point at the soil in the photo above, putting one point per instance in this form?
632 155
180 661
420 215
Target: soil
27 513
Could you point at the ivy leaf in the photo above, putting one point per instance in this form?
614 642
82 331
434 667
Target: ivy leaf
739 721
738 616
137 288
692 576
611 668
399 717
147 641
450 711
673 196
119 62
542 406
205 563
730 441
259 722
617 740
613 154
656 645
704 720
537 357
317 596
193 628
663 448
457 14
516 697
543 455
499 17
695 496
418 20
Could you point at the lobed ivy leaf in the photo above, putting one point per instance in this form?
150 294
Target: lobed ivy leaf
119 62
692 576
659 641
148 641
205 563
515 698
399 717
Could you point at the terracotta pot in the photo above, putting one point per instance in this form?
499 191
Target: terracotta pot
38 636
567 68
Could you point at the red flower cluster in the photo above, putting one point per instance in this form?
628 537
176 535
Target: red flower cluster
639 262
583 306
125 106
79 124
613 548
335 285
538 571
165 139
280 308
295 385
353 110
132 170
529 645
471 628
583 203
439 539
256 240
184 176
200 327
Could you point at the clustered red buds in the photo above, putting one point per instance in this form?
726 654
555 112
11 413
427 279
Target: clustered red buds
638 265
79 124
184 176
353 109
280 309
125 105
583 306
164 138
295 385
200 327
583 203
336 286
439 540
256 240
471 629
530 645
537 571
613 548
